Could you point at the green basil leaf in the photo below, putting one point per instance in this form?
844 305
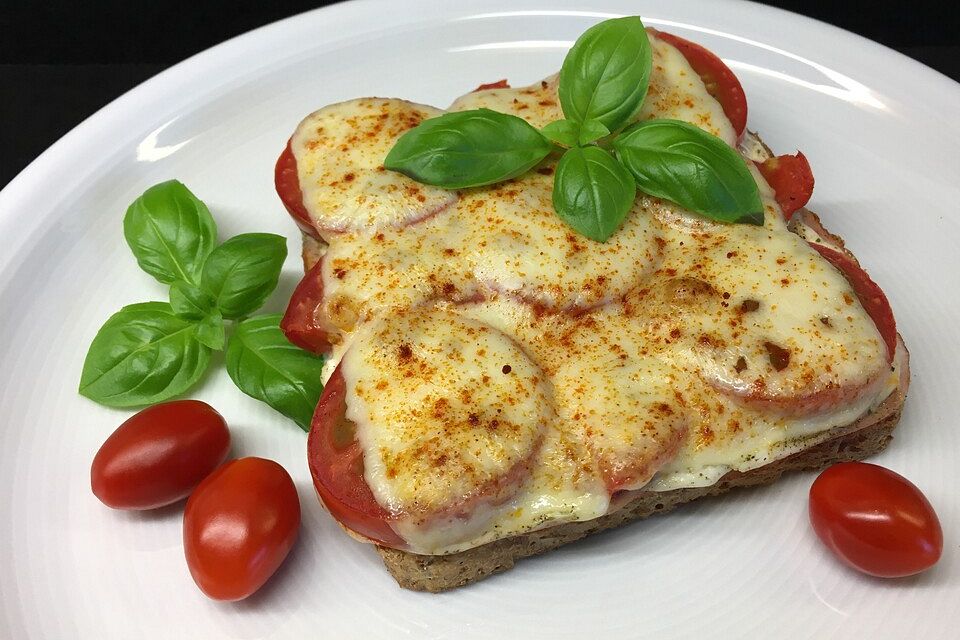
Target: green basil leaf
562 132
211 332
170 232
592 192
243 271
592 130
605 75
468 149
143 354
190 301
677 161
265 366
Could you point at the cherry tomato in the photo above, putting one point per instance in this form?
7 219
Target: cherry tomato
875 520
791 179
159 455
287 183
336 463
238 527
870 294
719 80
300 322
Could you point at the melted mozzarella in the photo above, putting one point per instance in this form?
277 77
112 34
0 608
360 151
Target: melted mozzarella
675 352
538 103
504 239
449 411
678 93
340 150
623 398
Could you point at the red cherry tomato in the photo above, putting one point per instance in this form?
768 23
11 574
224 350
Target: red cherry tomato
238 527
336 463
159 455
300 323
875 520
720 81
791 179
287 183
870 294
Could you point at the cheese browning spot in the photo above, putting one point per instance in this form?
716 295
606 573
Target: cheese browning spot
779 357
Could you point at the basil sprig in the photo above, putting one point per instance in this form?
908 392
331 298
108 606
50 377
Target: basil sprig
152 351
602 85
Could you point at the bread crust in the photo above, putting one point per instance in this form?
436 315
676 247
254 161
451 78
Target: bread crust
866 436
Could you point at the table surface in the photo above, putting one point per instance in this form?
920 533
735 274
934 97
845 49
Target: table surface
48 88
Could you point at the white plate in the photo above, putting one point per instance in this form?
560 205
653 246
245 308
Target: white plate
879 129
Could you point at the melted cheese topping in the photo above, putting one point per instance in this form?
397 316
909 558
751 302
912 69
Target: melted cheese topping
503 239
452 409
675 352
677 92
340 150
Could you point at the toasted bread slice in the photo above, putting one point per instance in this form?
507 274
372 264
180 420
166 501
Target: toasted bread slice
862 438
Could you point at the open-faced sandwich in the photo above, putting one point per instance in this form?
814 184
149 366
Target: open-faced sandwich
554 309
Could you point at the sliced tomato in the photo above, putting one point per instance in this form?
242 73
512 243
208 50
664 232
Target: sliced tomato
720 81
804 403
336 464
300 323
633 468
286 180
791 179
870 294
499 84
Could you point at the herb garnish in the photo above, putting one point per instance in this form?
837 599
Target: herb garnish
152 351
602 86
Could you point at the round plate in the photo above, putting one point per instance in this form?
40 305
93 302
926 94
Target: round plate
879 129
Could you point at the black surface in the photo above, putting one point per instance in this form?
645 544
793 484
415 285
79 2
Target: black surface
60 62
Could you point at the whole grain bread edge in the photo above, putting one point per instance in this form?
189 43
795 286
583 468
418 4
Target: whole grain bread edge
863 438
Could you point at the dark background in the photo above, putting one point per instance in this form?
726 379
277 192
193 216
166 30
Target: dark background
61 61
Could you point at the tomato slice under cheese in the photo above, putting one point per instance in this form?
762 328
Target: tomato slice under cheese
286 180
336 464
449 414
304 322
870 294
339 152
792 180
719 80
619 402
